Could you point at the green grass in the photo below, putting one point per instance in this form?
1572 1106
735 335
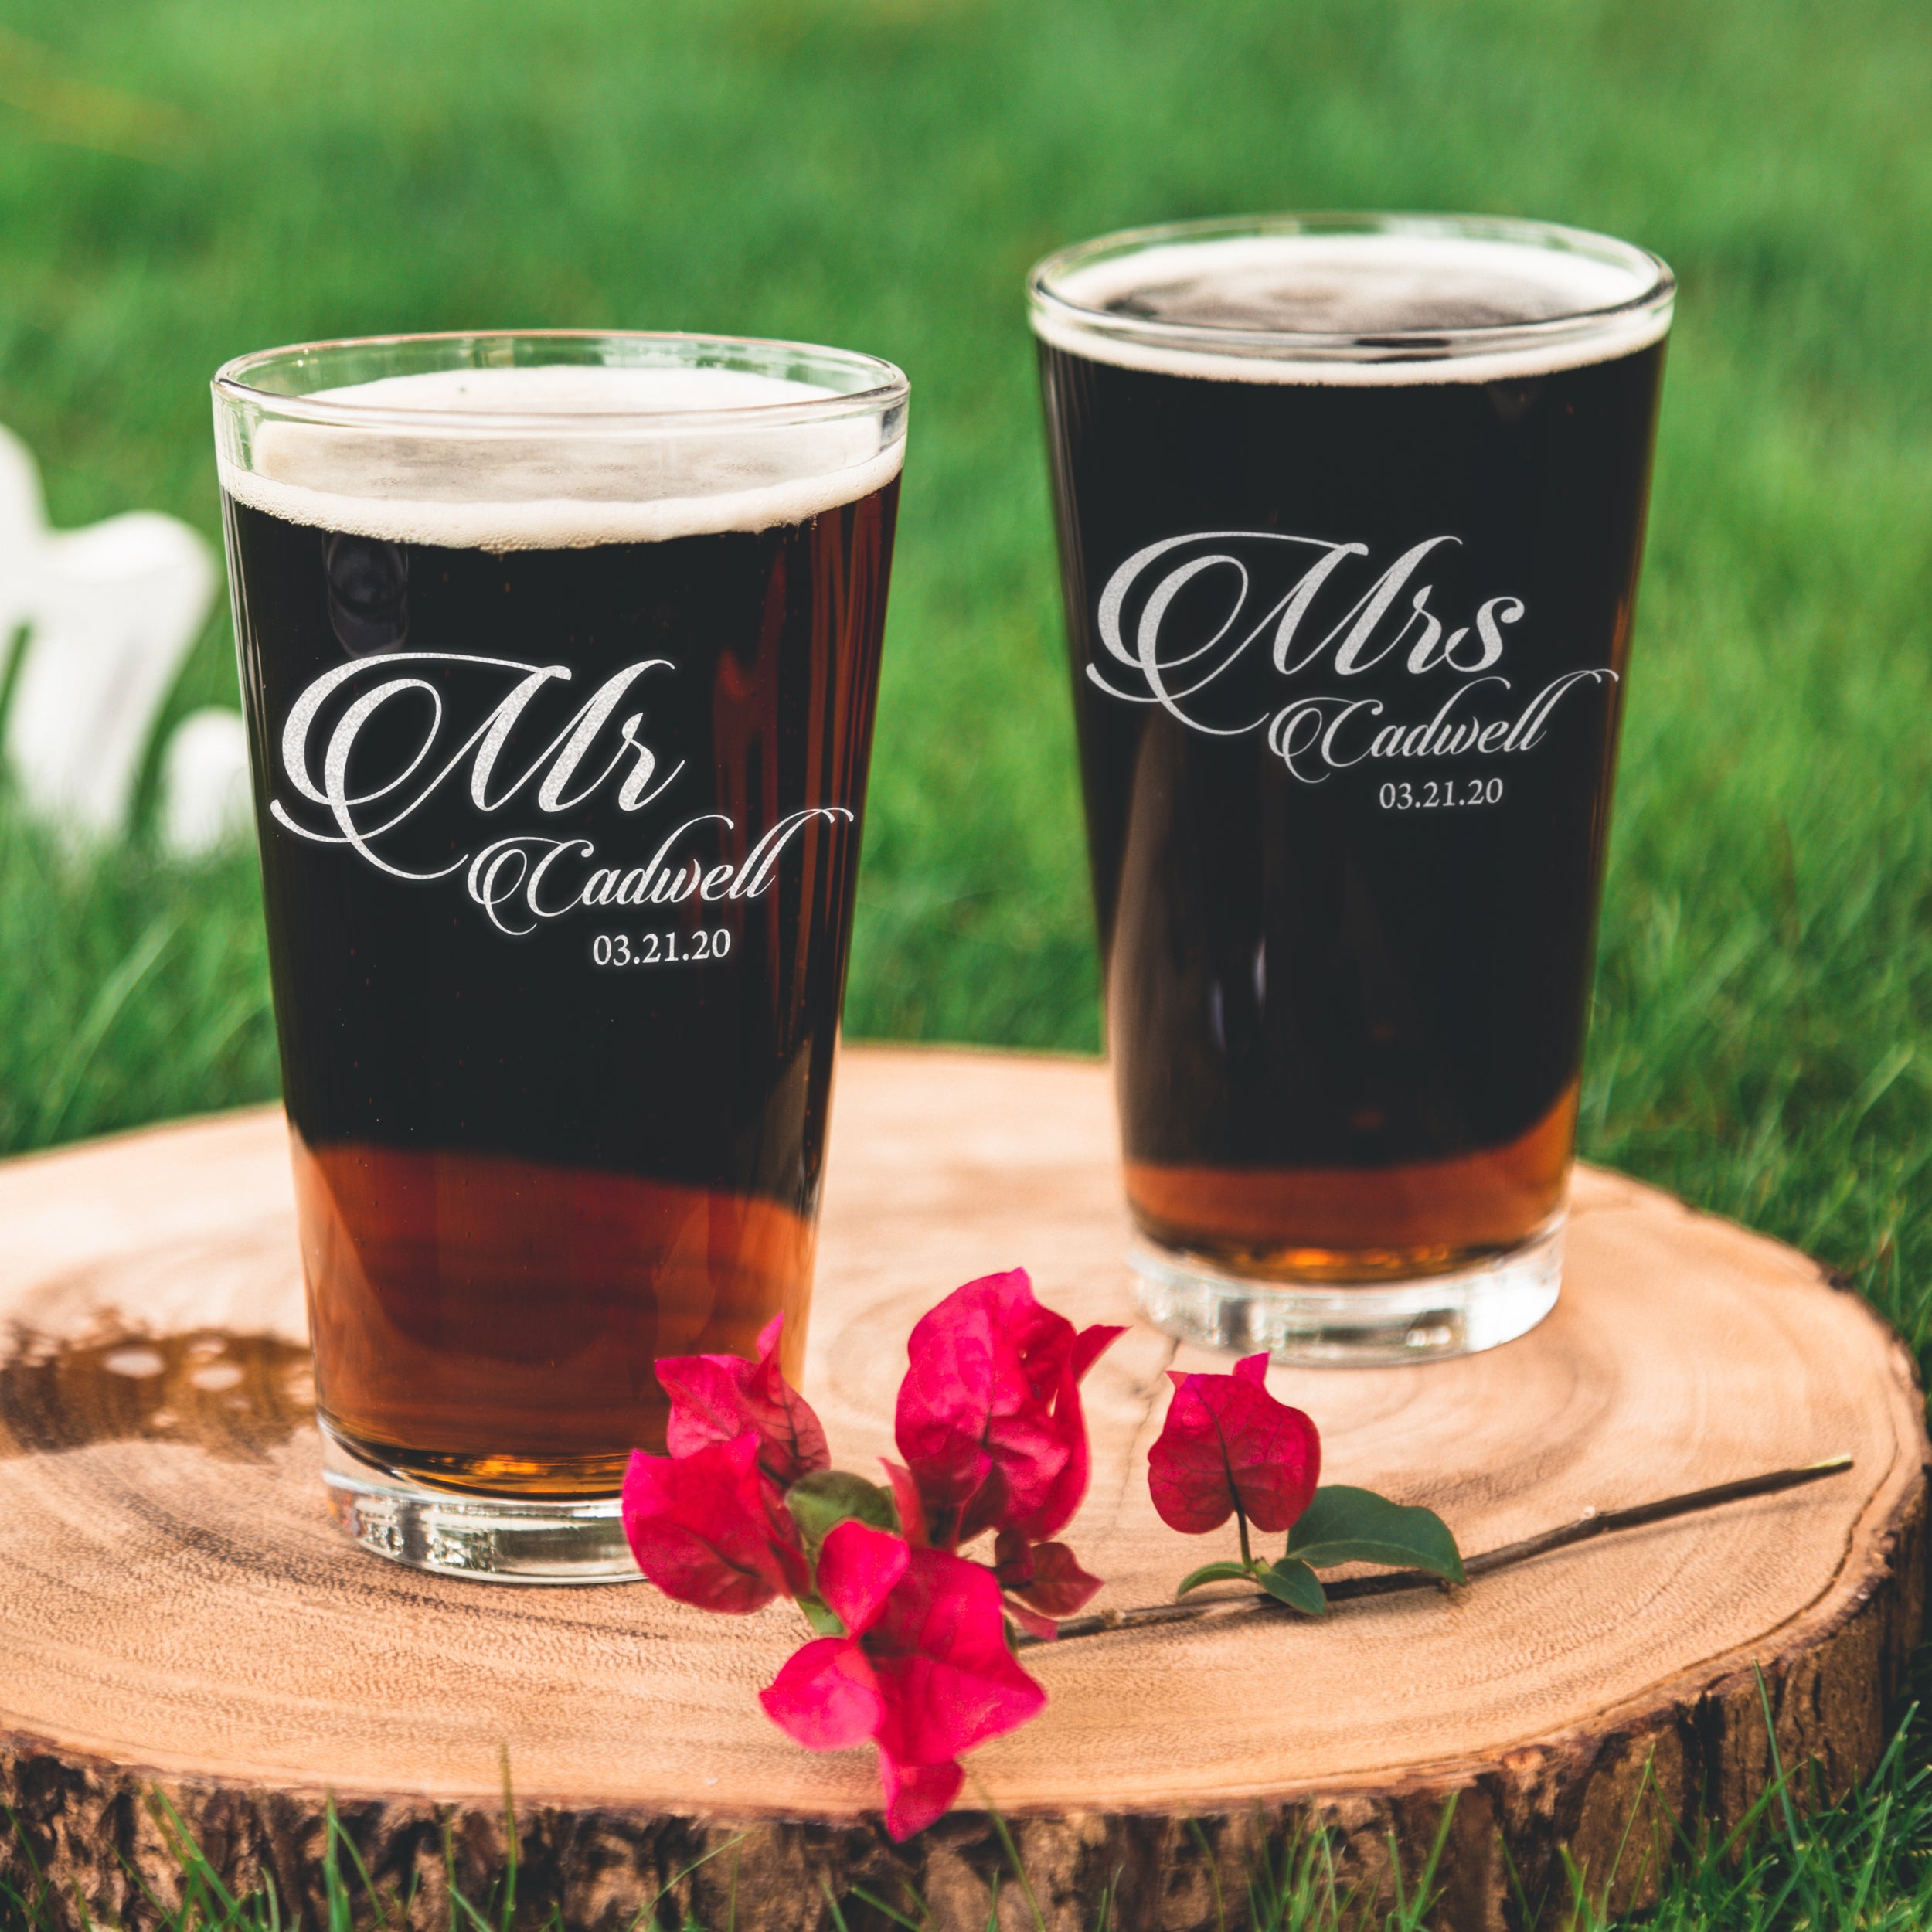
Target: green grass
181 180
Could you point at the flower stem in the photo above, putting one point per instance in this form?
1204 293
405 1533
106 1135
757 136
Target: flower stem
1590 1525
1241 1517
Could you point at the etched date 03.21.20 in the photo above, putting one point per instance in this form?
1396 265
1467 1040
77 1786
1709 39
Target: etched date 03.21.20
659 949
1439 794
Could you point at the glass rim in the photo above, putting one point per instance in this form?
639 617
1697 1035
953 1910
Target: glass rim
1046 302
232 387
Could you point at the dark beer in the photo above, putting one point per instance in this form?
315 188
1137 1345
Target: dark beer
559 839
1348 639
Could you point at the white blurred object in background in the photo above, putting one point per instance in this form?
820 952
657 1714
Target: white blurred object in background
110 613
205 802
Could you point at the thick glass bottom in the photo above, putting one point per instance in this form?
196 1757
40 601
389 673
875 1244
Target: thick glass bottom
503 1539
1361 1324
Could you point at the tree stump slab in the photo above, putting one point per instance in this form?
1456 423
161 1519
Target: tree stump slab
178 1615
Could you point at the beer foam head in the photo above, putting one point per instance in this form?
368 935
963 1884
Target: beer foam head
1366 308
560 457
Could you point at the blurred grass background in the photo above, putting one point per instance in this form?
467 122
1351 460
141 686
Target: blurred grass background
181 180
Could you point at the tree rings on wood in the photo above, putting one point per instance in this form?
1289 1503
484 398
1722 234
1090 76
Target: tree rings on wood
178 1617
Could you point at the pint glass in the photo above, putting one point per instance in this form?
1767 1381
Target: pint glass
1350 510
559 654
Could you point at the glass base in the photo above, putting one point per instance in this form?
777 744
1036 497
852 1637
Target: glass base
499 1539
1352 1324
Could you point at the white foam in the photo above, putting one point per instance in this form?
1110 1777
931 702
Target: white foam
635 472
574 389
1541 301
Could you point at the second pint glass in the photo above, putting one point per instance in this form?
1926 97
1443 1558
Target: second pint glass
559 654
1350 511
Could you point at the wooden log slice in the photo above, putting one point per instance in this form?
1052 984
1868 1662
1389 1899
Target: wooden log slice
178 1615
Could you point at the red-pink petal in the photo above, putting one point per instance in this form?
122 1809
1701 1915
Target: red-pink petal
1031 1448
910 1505
688 1568
1254 1368
705 1402
945 1400
917 1795
939 1649
1068 1490
706 1528
1059 1586
1046 1628
859 1567
825 1696
935 1706
1051 1507
716 1398
989 1418
1012 1559
1226 1441
1090 1345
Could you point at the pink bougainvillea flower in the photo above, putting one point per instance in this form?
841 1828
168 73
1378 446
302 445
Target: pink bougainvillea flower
1046 1576
1043 1582
989 1418
923 1670
710 1529
716 1398
828 1695
1228 1445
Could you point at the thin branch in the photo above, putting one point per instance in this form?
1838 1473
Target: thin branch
1590 1525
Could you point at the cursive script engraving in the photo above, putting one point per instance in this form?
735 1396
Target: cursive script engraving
1177 617
521 878
510 878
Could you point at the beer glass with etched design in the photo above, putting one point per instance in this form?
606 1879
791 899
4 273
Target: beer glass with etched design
1350 510
559 654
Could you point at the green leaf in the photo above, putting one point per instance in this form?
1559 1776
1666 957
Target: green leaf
1346 1525
821 1616
1225 1573
1296 1585
821 1502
